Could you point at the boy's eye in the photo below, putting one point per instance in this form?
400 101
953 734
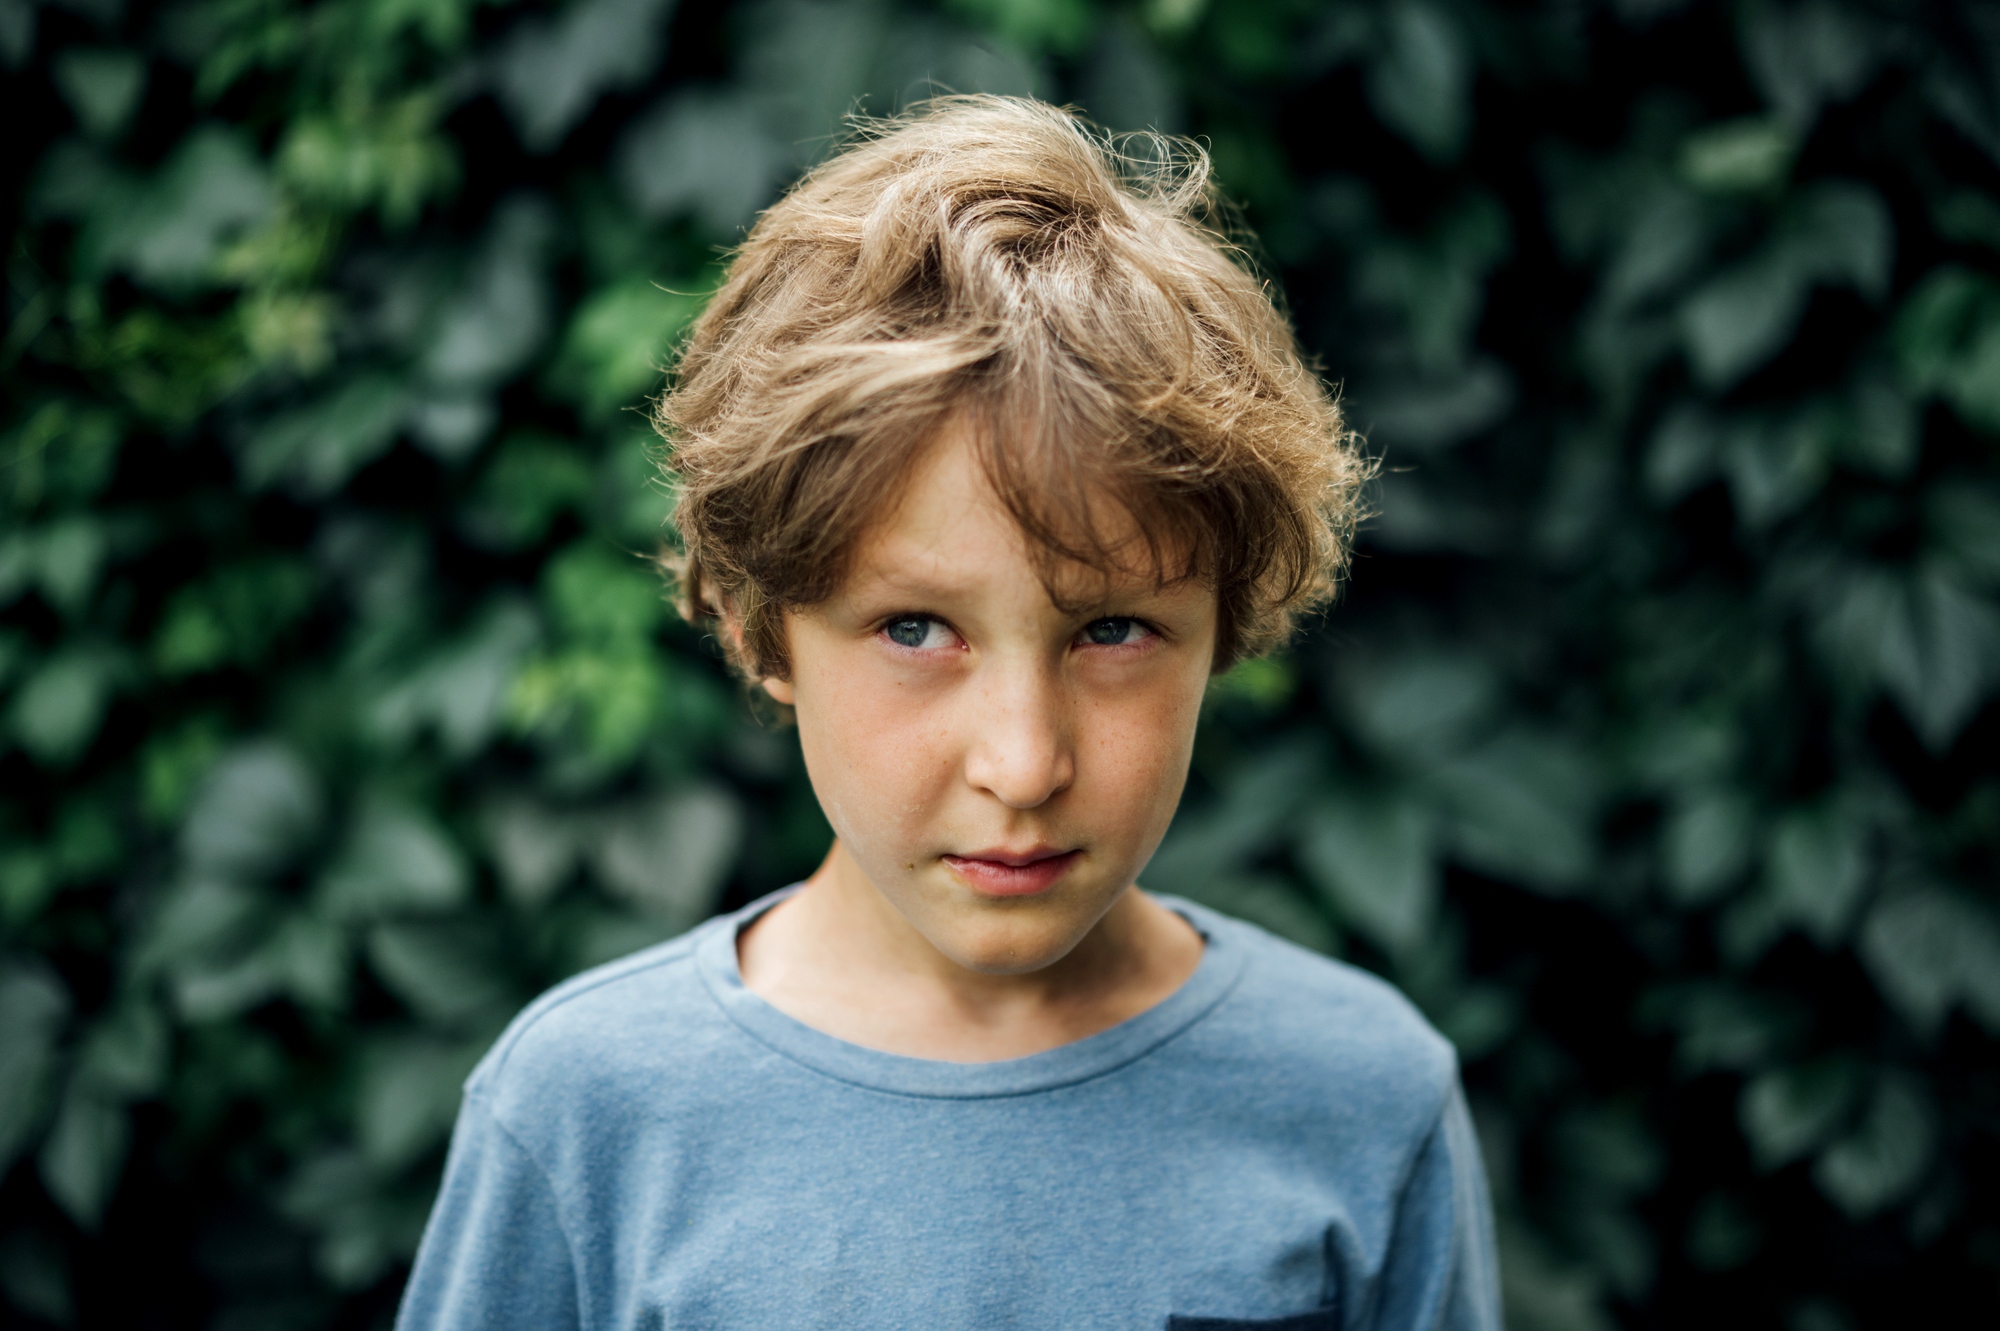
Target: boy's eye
914 631
1117 632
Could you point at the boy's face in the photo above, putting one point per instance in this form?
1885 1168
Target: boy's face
997 768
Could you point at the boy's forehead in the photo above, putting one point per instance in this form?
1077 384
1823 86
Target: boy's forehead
947 529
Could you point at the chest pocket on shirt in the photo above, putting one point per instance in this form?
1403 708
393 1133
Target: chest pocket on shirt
1319 1319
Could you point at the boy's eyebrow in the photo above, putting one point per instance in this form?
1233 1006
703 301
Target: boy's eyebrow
894 584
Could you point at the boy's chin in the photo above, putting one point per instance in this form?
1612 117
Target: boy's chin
1008 942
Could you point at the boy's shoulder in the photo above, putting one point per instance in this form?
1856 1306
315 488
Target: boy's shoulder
602 1022
1314 1020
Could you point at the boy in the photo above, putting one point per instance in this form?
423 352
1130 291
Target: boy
987 459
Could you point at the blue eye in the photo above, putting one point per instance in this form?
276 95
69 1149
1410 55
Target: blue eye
1113 632
908 631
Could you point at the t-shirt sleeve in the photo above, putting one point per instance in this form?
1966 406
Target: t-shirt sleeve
494 1255
1441 1273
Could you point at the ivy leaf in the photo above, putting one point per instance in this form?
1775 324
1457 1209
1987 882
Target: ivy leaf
1886 1154
1789 1111
57 711
1818 867
447 971
256 811
704 154
550 71
1420 81
396 859
33 1007
1374 864
1929 948
459 692
670 856
408 1096
85 1153
1706 842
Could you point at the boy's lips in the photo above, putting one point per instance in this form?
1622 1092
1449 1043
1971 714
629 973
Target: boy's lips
1005 873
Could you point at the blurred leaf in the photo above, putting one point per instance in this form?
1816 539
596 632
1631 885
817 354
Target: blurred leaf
446 971
598 595
1965 521
1522 807
459 692
1420 81
1706 842
534 849
1789 1111
1436 412
1721 1025
1738 320
85 1154
671 856
618 342
550 71
1806 55
1258 799
33 1007
57 711
257 810
395 860
102 85
1883 1158
1928 948
1682 453
1540 1292
1374 864
1033 25
384 155
1774 466
233 616
1127 86
1818 867
1946 659
608 702
1948 341
1268 903
1739 155
533 479
495 321
1263 682
1421 704
1933 644
363 1226
1834 232
409 1096
315 448
1884 431
198 917
701 153
170 234
125 1055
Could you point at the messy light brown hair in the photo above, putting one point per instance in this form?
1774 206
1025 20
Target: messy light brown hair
994 262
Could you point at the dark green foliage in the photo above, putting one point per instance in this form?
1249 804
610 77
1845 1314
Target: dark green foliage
1652 752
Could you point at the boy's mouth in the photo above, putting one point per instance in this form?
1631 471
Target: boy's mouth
1006 873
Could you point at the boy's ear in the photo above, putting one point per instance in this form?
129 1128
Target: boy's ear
732 625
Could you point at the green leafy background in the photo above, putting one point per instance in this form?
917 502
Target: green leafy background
1653 750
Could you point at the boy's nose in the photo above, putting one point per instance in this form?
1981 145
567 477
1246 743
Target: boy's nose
1020 751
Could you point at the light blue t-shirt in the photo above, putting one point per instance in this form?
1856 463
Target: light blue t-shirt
1281 1143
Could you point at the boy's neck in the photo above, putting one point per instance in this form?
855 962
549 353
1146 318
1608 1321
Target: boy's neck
840 958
